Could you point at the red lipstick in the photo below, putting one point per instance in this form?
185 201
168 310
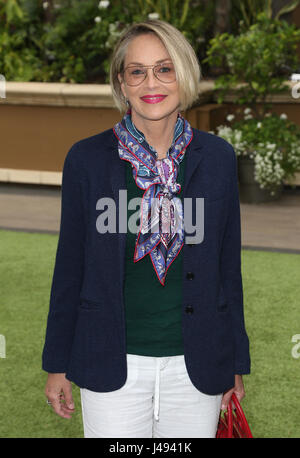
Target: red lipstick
155 98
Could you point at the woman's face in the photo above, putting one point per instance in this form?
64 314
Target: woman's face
148 50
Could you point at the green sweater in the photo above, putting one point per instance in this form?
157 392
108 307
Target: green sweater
153 311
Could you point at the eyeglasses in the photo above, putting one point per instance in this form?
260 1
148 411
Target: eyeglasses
136 74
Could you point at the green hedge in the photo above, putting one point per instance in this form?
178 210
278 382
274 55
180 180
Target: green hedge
72 40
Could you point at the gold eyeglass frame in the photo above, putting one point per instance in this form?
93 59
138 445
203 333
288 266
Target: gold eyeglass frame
146 73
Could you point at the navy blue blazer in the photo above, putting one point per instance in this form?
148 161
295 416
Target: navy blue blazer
86 336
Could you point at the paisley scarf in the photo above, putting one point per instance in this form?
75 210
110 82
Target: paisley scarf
161 231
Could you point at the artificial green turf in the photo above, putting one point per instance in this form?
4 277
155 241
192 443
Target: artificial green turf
271 298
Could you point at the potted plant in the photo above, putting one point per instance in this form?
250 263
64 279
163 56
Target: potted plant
268 153
256 64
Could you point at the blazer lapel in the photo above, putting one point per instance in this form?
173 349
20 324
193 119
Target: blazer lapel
194 156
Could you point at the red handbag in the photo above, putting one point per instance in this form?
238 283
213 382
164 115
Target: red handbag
233 423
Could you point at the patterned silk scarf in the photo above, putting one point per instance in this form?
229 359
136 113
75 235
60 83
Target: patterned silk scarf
161 230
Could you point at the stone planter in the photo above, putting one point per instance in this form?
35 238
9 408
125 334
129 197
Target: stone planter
40 122
249 189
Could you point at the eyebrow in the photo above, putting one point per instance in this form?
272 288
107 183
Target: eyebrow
157 62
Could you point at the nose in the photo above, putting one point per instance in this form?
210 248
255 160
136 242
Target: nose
151 80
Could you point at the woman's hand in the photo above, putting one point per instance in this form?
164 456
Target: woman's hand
58 391
238 390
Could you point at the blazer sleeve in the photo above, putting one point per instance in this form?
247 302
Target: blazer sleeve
68 270
231 272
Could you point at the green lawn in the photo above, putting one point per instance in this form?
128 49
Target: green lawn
271 297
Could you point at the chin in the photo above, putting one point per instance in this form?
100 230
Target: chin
154 113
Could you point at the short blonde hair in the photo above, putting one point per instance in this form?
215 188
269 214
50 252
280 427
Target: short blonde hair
187 67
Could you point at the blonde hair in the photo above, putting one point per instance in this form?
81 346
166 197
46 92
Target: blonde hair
187 67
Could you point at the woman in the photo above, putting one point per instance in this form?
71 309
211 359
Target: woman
147 317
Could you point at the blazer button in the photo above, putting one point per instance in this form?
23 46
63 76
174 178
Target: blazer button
190 275
189 309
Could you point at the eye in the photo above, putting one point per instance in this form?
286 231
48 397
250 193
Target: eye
136 71
164 69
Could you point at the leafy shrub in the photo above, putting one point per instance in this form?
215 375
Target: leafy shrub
257 62
72 40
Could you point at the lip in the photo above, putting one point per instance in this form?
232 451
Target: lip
156 98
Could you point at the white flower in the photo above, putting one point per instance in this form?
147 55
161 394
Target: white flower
230 117
247 110
258 125
249 116
153 16
45 5
103 4
98 19
283 116
238 135
230 60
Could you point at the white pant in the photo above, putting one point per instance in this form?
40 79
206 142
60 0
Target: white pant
179 408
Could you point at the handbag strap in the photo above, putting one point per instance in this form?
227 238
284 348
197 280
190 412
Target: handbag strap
229 421
241 414
234 424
